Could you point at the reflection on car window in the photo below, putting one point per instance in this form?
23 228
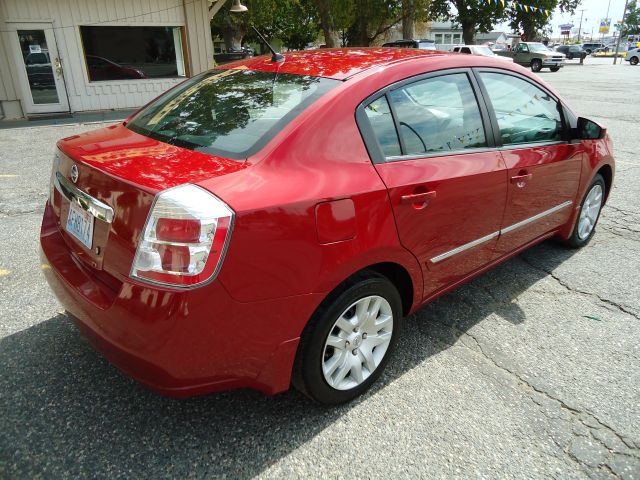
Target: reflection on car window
383 126
229 112
525 113
438 115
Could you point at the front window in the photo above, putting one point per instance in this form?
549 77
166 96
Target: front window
130 53
231 113
525 113
484 51
538 48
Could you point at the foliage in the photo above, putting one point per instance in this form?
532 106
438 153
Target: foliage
631 25
295 22
471 15
534 23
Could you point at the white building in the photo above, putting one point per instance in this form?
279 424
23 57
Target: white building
59 56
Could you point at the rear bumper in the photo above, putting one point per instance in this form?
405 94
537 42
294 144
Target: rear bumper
178 343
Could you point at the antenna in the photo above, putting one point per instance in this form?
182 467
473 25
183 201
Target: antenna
275 56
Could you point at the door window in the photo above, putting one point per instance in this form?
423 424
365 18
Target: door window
439 114
383 127
37 62
525 113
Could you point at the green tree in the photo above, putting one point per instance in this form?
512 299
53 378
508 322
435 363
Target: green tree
532 21
472 15
631 23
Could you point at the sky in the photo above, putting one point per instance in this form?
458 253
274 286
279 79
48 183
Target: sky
594 11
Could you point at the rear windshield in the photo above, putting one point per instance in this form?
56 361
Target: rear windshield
230 113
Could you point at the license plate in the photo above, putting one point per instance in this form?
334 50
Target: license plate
80 224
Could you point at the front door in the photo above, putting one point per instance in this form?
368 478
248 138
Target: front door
446 185
543 169
39 69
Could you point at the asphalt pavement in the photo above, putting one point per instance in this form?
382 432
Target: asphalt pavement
530 371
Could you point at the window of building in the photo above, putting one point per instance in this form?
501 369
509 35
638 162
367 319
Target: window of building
525 113
129 53
439 114
438 38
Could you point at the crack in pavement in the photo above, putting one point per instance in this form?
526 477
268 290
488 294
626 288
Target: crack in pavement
589 421
582 292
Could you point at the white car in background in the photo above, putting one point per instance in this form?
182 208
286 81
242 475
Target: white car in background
633 56
482 50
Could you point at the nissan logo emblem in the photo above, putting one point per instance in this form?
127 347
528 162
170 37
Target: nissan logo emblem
74 173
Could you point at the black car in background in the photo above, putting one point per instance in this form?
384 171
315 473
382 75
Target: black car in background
572 51
422 44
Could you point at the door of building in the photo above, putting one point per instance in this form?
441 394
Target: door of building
40 69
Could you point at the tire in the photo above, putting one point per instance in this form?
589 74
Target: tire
315 366
536 65
633 60
554 69
588 51
580 236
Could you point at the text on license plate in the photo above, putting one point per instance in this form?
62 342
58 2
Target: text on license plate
80 224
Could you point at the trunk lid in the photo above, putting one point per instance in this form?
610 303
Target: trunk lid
121 170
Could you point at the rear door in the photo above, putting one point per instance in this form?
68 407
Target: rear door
543 168
430 142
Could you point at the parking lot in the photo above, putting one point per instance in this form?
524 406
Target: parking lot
530 371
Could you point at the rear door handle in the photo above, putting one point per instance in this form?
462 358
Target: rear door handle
417 198
521 180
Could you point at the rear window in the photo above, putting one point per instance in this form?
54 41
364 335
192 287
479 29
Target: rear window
230 113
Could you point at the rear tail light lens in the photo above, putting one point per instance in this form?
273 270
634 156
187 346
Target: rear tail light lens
184 239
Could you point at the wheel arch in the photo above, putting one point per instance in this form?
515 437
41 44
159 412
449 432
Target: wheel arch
607 173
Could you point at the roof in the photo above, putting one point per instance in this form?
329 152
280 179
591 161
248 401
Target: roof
336 63
490 36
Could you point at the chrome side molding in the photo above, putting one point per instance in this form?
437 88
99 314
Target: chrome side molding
95 207
464 247
493 235
527 221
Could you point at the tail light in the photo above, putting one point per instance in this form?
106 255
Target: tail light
184 239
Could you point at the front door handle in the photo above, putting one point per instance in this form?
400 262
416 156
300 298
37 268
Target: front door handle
418 200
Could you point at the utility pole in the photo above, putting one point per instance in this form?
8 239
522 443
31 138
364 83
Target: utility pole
606 18
615 57
580 27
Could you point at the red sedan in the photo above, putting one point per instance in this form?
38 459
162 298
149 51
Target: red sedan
272 222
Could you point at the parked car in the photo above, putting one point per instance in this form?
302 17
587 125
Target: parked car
572 51
590 48
232 55
535 55
261 225
39 69
481 50
632 56
101 68
421 44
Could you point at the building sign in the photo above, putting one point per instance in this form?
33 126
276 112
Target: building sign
605 24
565 29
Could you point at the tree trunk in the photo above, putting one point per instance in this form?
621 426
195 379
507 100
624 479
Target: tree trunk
408 19
359 34
468 32
232 38
529 30
326 23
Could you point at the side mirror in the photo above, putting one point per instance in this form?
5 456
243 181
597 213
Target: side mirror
589 130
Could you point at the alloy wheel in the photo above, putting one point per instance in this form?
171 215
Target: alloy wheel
590 211
357 343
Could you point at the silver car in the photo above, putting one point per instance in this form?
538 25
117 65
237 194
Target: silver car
633 56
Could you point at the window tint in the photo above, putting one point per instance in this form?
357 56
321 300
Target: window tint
230 113
439 115
525 113
381 121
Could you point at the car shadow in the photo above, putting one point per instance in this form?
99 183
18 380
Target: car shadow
67 412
